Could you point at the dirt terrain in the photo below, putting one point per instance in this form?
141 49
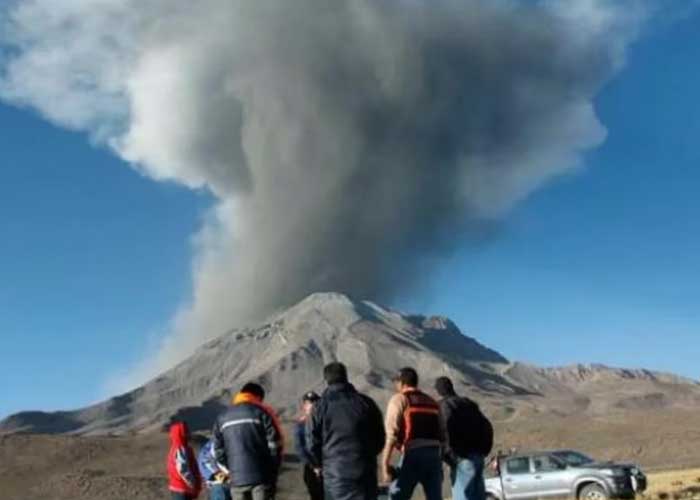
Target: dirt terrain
682 484
132 466
98 468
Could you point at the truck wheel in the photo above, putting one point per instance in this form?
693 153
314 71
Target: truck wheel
592 492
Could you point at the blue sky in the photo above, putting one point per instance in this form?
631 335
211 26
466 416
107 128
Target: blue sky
603 265
598 266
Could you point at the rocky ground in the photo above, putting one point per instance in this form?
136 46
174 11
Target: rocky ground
132 466
98 468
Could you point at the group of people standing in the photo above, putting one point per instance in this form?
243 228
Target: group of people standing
338 439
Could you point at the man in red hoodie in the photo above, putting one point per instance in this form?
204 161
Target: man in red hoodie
185 481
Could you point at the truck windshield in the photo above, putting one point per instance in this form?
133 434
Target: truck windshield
573 458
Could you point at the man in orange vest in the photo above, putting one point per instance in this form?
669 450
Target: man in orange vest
415 429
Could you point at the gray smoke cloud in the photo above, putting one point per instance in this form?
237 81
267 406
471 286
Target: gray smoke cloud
345 141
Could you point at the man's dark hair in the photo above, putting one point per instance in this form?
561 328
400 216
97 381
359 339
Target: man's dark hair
444 387
254 389
335 373
407 376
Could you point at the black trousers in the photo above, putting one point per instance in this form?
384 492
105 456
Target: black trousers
343 489
314 484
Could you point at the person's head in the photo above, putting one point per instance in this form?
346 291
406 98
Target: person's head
253 389
444 387
405 378
308 401
335 373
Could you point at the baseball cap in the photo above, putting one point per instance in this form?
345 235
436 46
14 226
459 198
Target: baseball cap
310 396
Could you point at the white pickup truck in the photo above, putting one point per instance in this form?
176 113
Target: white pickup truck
563 474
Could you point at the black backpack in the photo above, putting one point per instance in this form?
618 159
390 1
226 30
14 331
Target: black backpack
469 429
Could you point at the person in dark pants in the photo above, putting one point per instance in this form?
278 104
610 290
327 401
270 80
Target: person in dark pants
184 480
248 441
344 436
414 427
312 480
470 439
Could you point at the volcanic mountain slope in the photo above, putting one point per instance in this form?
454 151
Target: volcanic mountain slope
287 354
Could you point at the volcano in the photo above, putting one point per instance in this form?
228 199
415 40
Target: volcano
286 354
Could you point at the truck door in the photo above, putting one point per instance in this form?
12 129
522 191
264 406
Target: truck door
517 478
551 477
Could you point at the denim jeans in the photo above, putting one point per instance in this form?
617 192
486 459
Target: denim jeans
419 465
468 479
219 491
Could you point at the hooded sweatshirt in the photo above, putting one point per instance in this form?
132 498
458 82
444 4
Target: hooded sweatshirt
183 474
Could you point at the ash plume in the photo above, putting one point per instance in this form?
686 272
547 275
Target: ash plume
344 141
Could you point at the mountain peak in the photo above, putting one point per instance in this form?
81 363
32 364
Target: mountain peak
287 353
326 299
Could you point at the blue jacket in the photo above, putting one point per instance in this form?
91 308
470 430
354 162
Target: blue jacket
300 443
208 466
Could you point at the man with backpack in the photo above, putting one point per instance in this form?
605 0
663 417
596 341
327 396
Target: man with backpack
415 429
470 440
247 441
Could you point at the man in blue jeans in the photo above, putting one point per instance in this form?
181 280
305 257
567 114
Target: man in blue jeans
414 428
470 439
468 478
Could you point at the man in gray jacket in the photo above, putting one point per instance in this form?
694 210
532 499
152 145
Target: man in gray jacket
247 441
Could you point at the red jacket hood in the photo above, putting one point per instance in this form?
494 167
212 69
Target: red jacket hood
178 434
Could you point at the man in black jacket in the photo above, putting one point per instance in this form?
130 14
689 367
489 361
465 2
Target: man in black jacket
344 436
247 440
470 438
